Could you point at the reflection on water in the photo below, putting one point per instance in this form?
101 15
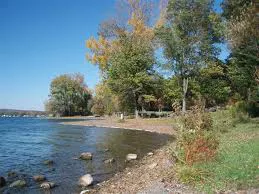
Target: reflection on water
25 143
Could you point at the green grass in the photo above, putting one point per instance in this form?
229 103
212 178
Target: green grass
236 165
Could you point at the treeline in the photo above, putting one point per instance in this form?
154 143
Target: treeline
166 56
153 61
20 113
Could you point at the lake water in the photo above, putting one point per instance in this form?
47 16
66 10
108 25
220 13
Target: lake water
26 142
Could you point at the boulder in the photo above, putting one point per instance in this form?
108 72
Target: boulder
86 156
18 183
47 185
2 181
108 161
86 180
39 178
48 162
131 157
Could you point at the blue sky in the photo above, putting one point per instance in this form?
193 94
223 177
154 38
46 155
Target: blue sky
40 39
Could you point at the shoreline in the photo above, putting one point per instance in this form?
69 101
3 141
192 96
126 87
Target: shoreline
155 125
150 174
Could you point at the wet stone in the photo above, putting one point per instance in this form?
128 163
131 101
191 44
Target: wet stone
39 178
86 156
18 183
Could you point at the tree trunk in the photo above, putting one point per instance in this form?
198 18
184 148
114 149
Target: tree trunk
185 87
249 94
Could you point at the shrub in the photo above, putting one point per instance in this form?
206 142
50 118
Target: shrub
239 112
200 146
189 174
197 119
197 141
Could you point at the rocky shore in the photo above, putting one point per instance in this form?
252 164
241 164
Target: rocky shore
151 174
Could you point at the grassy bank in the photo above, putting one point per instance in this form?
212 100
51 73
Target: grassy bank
236 165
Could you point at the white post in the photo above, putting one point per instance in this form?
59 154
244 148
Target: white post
122 116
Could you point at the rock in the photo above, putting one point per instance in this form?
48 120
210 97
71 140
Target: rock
86 156
11 174
18 183
131 157
150 154
39 178
152 166
212 109
48 162
84 191
108 161
2 181
47 185
85 180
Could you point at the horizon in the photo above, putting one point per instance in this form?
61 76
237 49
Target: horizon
41 40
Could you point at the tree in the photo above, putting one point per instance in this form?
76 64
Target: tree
68 96
243 39
124 53
104 101
188 38
214 83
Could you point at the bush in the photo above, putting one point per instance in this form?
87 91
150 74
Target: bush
239 112
197 119
200 146
191 175
197 141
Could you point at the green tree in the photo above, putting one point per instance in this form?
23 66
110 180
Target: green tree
188 38
104 101
124 53
214 84
68 96
130 74
243 39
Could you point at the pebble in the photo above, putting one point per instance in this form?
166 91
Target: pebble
108 161
84 191
152 166
131 157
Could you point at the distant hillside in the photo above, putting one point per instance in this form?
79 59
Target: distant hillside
21 112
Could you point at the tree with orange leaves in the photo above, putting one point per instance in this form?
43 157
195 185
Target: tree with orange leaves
124 53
